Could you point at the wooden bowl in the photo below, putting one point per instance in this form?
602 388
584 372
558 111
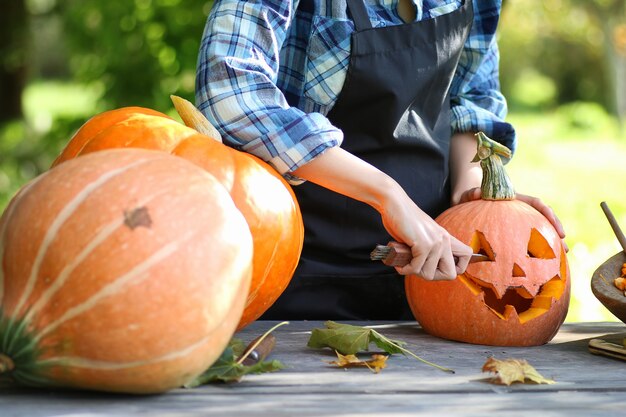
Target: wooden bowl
603 288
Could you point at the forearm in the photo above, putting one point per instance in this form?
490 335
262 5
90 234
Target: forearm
431 246
464 174
344 173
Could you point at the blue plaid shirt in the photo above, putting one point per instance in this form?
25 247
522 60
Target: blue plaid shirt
267 75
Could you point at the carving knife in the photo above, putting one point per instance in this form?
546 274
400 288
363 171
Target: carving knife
399 254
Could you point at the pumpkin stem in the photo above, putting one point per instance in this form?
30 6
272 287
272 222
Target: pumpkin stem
496 184
192 117
6 364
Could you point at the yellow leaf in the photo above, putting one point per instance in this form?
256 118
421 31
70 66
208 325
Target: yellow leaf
375 364
509 371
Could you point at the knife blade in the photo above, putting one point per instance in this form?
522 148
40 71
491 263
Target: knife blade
399 254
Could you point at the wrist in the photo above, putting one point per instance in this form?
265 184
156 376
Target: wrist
385 191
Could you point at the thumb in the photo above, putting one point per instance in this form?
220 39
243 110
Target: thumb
470 195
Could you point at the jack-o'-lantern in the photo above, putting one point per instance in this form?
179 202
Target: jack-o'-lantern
520 296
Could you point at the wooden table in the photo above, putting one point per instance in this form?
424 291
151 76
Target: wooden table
587 385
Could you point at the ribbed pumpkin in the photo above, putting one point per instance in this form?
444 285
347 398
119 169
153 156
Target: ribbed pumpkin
124 270
520 296
259 192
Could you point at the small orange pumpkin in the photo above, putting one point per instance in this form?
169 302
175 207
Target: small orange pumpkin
520 296
259 192
125 270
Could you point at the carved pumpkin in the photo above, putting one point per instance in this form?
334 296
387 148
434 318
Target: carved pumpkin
125 270
520 296
259 192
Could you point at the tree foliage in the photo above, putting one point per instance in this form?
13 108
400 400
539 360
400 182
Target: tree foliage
579 46
140 51
13 58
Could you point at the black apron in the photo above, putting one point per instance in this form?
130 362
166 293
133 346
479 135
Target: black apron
394 111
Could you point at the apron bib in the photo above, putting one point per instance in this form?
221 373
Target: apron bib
394 111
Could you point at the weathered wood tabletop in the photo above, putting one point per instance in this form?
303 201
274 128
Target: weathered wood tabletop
586 384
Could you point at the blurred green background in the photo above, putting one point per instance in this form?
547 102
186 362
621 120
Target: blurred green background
563 70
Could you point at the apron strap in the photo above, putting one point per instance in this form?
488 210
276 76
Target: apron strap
359 14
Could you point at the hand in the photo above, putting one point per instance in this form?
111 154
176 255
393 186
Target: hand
432 247
536 203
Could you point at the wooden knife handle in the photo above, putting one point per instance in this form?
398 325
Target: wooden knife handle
399 254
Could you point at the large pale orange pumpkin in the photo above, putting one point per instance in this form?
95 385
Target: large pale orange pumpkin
520 296
125 270
259 192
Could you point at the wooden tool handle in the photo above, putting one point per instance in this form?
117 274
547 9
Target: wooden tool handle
602 347
399 254
259 352
616 229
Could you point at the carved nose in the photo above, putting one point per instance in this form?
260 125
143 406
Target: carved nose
518 271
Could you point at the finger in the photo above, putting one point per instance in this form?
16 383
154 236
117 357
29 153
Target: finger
416 264
447 268
551 216
544 209
461 264
440 263
463 253
432 263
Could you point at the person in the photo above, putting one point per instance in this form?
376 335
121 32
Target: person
369 108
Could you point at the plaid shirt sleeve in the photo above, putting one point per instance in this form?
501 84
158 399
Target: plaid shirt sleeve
476 100
236 86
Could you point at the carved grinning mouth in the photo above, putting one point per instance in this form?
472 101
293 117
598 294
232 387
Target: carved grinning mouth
518 300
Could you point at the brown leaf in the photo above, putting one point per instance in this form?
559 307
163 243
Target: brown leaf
375 364
509 371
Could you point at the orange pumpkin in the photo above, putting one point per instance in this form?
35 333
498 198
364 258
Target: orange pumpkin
99 122
125 270
520 296
259 192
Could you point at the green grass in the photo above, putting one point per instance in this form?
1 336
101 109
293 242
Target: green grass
573 169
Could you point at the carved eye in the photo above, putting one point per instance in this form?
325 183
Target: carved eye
479 244
538 246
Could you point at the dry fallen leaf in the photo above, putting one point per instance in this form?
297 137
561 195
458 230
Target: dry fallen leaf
375 364
509 371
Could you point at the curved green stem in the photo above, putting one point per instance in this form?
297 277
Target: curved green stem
496 184
408 352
